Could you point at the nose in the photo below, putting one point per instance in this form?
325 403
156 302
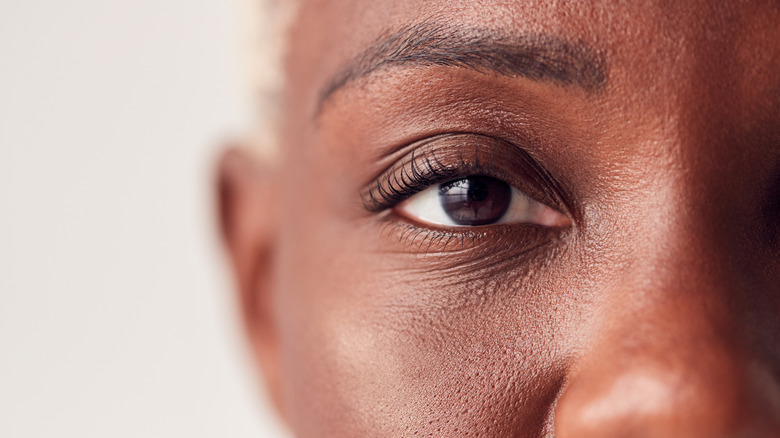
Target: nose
669 358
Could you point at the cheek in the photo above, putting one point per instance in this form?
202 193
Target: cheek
378 340
387 344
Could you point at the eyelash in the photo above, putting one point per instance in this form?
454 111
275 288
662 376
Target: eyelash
388 190
443 158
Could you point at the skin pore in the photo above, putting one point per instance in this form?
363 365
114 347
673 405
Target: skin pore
612 270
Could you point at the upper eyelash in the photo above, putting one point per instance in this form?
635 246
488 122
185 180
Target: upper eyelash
387 190
465 154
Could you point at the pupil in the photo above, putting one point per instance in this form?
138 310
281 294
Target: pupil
475 200
478 191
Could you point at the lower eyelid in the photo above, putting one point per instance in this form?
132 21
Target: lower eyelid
459 247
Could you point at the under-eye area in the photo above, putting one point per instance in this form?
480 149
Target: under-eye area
467 191
469 255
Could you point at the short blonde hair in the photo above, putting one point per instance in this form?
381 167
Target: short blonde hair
267 23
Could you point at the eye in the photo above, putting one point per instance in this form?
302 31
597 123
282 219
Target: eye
478 200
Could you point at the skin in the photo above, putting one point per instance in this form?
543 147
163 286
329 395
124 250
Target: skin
653 311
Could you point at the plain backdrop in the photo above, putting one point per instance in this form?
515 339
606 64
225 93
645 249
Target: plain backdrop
116 313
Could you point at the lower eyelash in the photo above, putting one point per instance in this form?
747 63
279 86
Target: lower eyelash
420 239
458 248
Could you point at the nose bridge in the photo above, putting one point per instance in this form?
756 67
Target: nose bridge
678 286
669 321
675 278
680 271
669 316
667 355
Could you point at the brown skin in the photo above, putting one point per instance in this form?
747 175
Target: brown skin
654 312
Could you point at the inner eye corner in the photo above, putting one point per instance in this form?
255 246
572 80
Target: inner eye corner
564 207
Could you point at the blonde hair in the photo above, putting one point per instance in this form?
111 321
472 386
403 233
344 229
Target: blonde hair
267 23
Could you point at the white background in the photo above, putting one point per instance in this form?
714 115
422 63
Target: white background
116 313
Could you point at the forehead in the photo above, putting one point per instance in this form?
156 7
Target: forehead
653 46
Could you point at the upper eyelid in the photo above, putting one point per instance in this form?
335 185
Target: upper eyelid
392 190
391 186
406 177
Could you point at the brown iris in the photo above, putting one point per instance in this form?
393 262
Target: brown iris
475 200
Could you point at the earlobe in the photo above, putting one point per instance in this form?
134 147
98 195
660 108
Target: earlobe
246 205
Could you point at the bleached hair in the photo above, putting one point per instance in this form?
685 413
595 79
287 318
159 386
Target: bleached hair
267 24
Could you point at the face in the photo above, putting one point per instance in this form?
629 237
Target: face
524 219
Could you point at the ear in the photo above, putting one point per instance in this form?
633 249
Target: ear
246 202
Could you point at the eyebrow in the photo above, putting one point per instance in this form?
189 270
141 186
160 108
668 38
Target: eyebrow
533 56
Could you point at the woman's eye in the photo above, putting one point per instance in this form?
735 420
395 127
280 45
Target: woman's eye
478 200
